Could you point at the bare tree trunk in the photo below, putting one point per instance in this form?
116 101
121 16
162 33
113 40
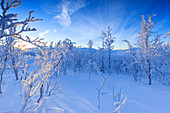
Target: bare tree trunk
16 73
109 62
99 92
1 74
58 73
90 68
101 86
14 64
48 84
135 72
132 73
53 87
149 71
113 90
75 67
41 93
102 68
89 74
55 83
149 79
1 78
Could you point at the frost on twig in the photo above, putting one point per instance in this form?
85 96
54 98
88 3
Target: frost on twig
42 107
11 32
8 21
120 101
11 27
113 90
45 67
131 61
109 44
101 86
167 34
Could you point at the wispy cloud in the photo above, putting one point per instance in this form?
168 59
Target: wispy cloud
64 18
81 25
42 34
55 30
68 8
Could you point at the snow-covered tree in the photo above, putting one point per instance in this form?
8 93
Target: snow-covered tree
67 45
46 66
145 54
150 49
131 62
90 44
11 29
109 44
161 59
102 49
104 78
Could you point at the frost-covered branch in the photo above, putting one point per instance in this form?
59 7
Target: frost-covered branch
46 65
101 86
8 21
131 64
120 104
109 44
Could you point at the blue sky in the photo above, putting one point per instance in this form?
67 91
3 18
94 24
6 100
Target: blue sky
83 20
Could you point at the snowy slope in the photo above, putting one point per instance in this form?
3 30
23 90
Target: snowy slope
79 95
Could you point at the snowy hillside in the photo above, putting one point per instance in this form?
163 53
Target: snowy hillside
79 95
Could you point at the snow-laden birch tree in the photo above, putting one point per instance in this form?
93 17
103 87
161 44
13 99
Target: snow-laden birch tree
46 66
103 54
151 48
131 62
11 29
143 42
90 44
109 44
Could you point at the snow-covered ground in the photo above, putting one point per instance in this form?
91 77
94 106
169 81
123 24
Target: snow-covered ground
79 94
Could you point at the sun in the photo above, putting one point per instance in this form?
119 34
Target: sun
22 46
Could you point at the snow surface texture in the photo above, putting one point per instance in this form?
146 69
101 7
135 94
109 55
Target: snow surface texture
79 95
